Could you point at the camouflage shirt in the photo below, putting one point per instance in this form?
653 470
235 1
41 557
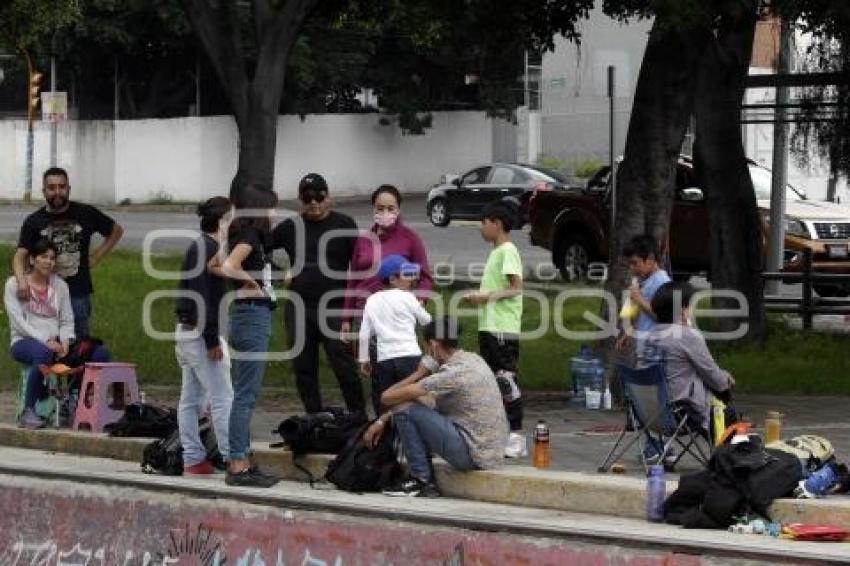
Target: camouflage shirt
465 391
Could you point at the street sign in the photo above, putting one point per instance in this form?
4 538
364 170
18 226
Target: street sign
54 106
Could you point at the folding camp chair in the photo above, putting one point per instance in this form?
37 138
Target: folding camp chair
652 416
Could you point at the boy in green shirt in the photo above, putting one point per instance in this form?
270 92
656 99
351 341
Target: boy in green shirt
499 316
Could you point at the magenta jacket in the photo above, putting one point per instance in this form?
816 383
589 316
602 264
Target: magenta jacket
399 240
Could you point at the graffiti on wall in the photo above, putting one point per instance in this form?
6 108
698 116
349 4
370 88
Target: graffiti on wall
101 527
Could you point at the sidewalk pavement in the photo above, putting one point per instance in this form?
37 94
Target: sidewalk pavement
580 438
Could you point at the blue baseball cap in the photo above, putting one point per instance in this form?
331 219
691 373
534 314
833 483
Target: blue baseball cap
397 265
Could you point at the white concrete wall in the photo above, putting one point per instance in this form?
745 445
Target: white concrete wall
85 149
158 157
575 107
93 170
355 153
189 159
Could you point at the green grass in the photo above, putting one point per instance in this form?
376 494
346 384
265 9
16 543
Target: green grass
790 362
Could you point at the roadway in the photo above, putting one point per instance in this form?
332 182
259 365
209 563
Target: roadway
458 244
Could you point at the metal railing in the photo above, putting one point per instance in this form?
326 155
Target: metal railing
807 305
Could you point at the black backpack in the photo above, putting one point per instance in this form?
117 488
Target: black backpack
165 455
359 469
144 420
319 433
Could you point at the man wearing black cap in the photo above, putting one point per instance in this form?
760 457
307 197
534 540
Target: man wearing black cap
311 284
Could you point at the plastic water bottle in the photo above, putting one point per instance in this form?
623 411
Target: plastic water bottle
580 367
606 399
597 384
656 491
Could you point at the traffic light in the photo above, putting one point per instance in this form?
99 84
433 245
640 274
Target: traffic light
34 88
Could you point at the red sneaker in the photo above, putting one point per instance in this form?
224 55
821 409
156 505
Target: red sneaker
203 468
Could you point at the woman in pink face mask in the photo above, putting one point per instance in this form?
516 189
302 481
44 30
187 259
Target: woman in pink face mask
393 237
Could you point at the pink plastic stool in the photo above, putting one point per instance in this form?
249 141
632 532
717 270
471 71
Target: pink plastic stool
106 390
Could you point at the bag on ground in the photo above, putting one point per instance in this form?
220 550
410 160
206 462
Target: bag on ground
812 451
144 420
360 469
165 455
320 433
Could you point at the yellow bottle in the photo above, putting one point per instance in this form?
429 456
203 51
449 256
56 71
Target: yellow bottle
772 426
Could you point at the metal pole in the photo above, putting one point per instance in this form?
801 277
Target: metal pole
776 246
611 158
807 302
526 99
198 85
53 124
30 140
526 102
115 87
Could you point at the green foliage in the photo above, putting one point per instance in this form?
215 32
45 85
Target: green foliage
579 167
24 23
828 24
552 163
414 55
587 167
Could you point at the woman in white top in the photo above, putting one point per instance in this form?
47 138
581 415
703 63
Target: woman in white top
42 327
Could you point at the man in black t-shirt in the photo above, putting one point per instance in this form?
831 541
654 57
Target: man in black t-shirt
69 227
311 284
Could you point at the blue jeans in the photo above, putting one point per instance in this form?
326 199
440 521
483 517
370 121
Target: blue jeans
423 431
250 330
32 352
202 378
388 373
82 312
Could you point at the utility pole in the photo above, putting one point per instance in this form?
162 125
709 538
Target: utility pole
611 157
115 91
198 85
776 245
33 86
53 123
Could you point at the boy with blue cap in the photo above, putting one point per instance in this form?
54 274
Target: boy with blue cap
391 315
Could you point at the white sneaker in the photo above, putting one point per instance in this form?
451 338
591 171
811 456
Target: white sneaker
517 446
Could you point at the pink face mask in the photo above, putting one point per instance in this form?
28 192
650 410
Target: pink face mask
385 219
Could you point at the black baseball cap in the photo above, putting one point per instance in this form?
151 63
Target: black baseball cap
313 182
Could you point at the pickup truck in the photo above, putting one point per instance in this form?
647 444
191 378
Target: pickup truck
574 224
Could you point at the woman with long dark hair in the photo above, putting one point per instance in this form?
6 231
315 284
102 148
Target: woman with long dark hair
203 359
249 267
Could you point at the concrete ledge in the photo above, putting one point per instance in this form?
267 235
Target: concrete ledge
612 495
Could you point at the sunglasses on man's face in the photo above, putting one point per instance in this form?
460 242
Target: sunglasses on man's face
309 197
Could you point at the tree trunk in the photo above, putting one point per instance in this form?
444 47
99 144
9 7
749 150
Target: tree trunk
255 101
257 144
832 183
661 111
735 234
